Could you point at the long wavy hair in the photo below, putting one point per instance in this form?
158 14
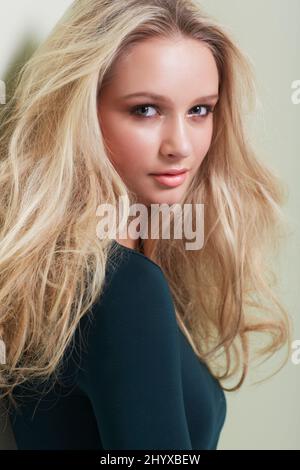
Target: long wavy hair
55 171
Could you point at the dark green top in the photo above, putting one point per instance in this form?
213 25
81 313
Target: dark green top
130 380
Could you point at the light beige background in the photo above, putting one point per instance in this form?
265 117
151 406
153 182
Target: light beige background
263 416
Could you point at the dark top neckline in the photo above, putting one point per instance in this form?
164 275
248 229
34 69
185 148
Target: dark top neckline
138 253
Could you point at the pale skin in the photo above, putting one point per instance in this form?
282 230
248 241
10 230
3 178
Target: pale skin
162 134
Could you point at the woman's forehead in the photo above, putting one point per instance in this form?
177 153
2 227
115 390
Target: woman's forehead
161 67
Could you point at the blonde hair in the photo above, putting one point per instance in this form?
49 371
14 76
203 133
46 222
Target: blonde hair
55 171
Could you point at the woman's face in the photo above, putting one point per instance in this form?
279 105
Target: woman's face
146 135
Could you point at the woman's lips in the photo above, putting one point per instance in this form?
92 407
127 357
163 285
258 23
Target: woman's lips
171 180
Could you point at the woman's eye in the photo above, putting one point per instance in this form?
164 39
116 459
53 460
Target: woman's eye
208 109
205 110
135 109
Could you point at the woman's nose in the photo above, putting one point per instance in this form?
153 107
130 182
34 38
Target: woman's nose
176 141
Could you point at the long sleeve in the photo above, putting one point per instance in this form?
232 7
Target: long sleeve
132 370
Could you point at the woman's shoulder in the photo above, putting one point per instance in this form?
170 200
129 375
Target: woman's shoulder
135 306
135 310
129 271
135 291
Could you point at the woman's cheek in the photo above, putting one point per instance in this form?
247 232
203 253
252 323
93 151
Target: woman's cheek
136 151
206 142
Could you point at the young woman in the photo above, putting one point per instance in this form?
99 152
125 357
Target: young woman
118 343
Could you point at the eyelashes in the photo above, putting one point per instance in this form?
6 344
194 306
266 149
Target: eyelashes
134 110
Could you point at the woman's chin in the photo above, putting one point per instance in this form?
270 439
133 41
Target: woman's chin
161 199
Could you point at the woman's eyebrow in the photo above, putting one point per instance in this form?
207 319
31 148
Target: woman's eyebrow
164 98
